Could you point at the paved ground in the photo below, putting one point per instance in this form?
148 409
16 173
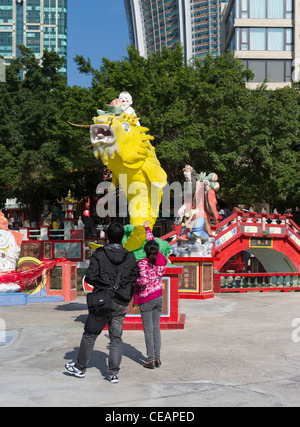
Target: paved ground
235 350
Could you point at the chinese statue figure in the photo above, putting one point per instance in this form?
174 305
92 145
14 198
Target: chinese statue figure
10 246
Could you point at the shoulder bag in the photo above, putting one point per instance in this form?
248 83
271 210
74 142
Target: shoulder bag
101 301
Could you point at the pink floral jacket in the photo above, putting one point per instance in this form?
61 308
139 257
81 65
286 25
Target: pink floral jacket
149 281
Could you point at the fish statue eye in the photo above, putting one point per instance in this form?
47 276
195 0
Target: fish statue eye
126 126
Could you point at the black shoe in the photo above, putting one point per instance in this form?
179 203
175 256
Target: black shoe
150 365
157 363
113 378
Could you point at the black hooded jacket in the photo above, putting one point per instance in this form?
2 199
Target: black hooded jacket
103 270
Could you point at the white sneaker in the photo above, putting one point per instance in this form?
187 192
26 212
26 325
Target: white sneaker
70 367
113 379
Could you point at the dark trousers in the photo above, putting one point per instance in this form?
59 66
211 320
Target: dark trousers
93 328
150 313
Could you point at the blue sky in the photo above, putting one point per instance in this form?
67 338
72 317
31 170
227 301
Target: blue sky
96 29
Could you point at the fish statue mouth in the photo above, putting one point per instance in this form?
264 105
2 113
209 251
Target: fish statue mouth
102 134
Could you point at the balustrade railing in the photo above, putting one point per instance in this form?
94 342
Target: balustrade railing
47 233
252 225
244 282
57 234
53 234
34 234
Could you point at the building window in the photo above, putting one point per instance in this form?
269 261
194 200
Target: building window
264 39
288 39
6 11
276 39
257 39
262 9
257 9
274 70
33 42
289 9
245 39
6 46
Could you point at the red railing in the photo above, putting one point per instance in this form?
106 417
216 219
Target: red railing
251 224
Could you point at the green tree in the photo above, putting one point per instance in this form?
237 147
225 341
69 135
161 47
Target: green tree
44 155
200 113
269 155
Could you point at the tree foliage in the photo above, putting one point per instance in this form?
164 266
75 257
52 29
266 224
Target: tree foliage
200 114
44 156
203 114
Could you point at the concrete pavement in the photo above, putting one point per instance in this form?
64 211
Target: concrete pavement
235 350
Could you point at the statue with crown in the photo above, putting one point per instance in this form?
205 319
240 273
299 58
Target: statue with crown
197 214
10 247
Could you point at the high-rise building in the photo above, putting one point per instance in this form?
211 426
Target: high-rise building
154 24
265 35
36 24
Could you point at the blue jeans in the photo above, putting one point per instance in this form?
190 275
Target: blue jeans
93 328
151 312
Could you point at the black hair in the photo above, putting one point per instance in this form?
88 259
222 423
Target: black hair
115 232
151 248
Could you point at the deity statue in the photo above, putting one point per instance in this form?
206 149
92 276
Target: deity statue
197 214
80 224
10 246
46 217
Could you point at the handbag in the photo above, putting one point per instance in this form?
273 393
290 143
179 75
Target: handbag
101 301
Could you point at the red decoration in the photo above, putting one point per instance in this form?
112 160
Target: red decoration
27 276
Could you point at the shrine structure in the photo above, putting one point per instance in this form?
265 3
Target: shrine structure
246 251
69 207
250 252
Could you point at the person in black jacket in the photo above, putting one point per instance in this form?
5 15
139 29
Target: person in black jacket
102 271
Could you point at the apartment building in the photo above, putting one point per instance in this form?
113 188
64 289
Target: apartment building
36 24
154 24
265 35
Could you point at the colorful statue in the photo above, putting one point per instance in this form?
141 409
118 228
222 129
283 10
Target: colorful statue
80 224
125 148
10 246
197 213
126 100
46 217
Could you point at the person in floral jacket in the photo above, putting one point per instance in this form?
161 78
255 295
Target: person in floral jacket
149 296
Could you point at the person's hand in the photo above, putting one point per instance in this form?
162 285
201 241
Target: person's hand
146 224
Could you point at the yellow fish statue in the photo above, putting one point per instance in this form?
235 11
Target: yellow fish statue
124 147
